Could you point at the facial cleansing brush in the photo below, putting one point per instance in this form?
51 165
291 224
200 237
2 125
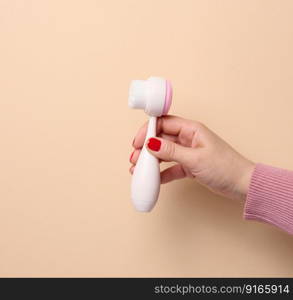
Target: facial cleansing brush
154 96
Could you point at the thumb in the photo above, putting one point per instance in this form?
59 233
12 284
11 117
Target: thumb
170 151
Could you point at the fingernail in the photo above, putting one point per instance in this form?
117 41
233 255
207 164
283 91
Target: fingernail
154 144
131 156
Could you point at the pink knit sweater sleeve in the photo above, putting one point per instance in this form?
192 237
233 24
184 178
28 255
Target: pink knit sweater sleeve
270 197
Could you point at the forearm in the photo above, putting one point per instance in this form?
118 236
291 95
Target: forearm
270 197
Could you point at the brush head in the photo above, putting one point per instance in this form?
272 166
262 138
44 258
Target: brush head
153 95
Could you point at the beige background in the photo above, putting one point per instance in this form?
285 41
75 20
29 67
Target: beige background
66 133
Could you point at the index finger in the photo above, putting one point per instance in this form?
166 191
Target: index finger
171 125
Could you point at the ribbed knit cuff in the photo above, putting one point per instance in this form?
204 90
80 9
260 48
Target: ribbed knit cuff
270 197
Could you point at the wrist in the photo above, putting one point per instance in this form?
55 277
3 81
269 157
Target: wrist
243 180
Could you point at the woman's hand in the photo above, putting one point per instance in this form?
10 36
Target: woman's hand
199 153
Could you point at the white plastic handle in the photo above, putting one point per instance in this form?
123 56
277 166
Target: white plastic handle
145 185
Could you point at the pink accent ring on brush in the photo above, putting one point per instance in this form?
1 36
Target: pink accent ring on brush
168 97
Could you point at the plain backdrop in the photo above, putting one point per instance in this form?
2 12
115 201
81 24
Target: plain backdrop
66 133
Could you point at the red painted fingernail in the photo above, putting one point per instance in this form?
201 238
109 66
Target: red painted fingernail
131 156
154 144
